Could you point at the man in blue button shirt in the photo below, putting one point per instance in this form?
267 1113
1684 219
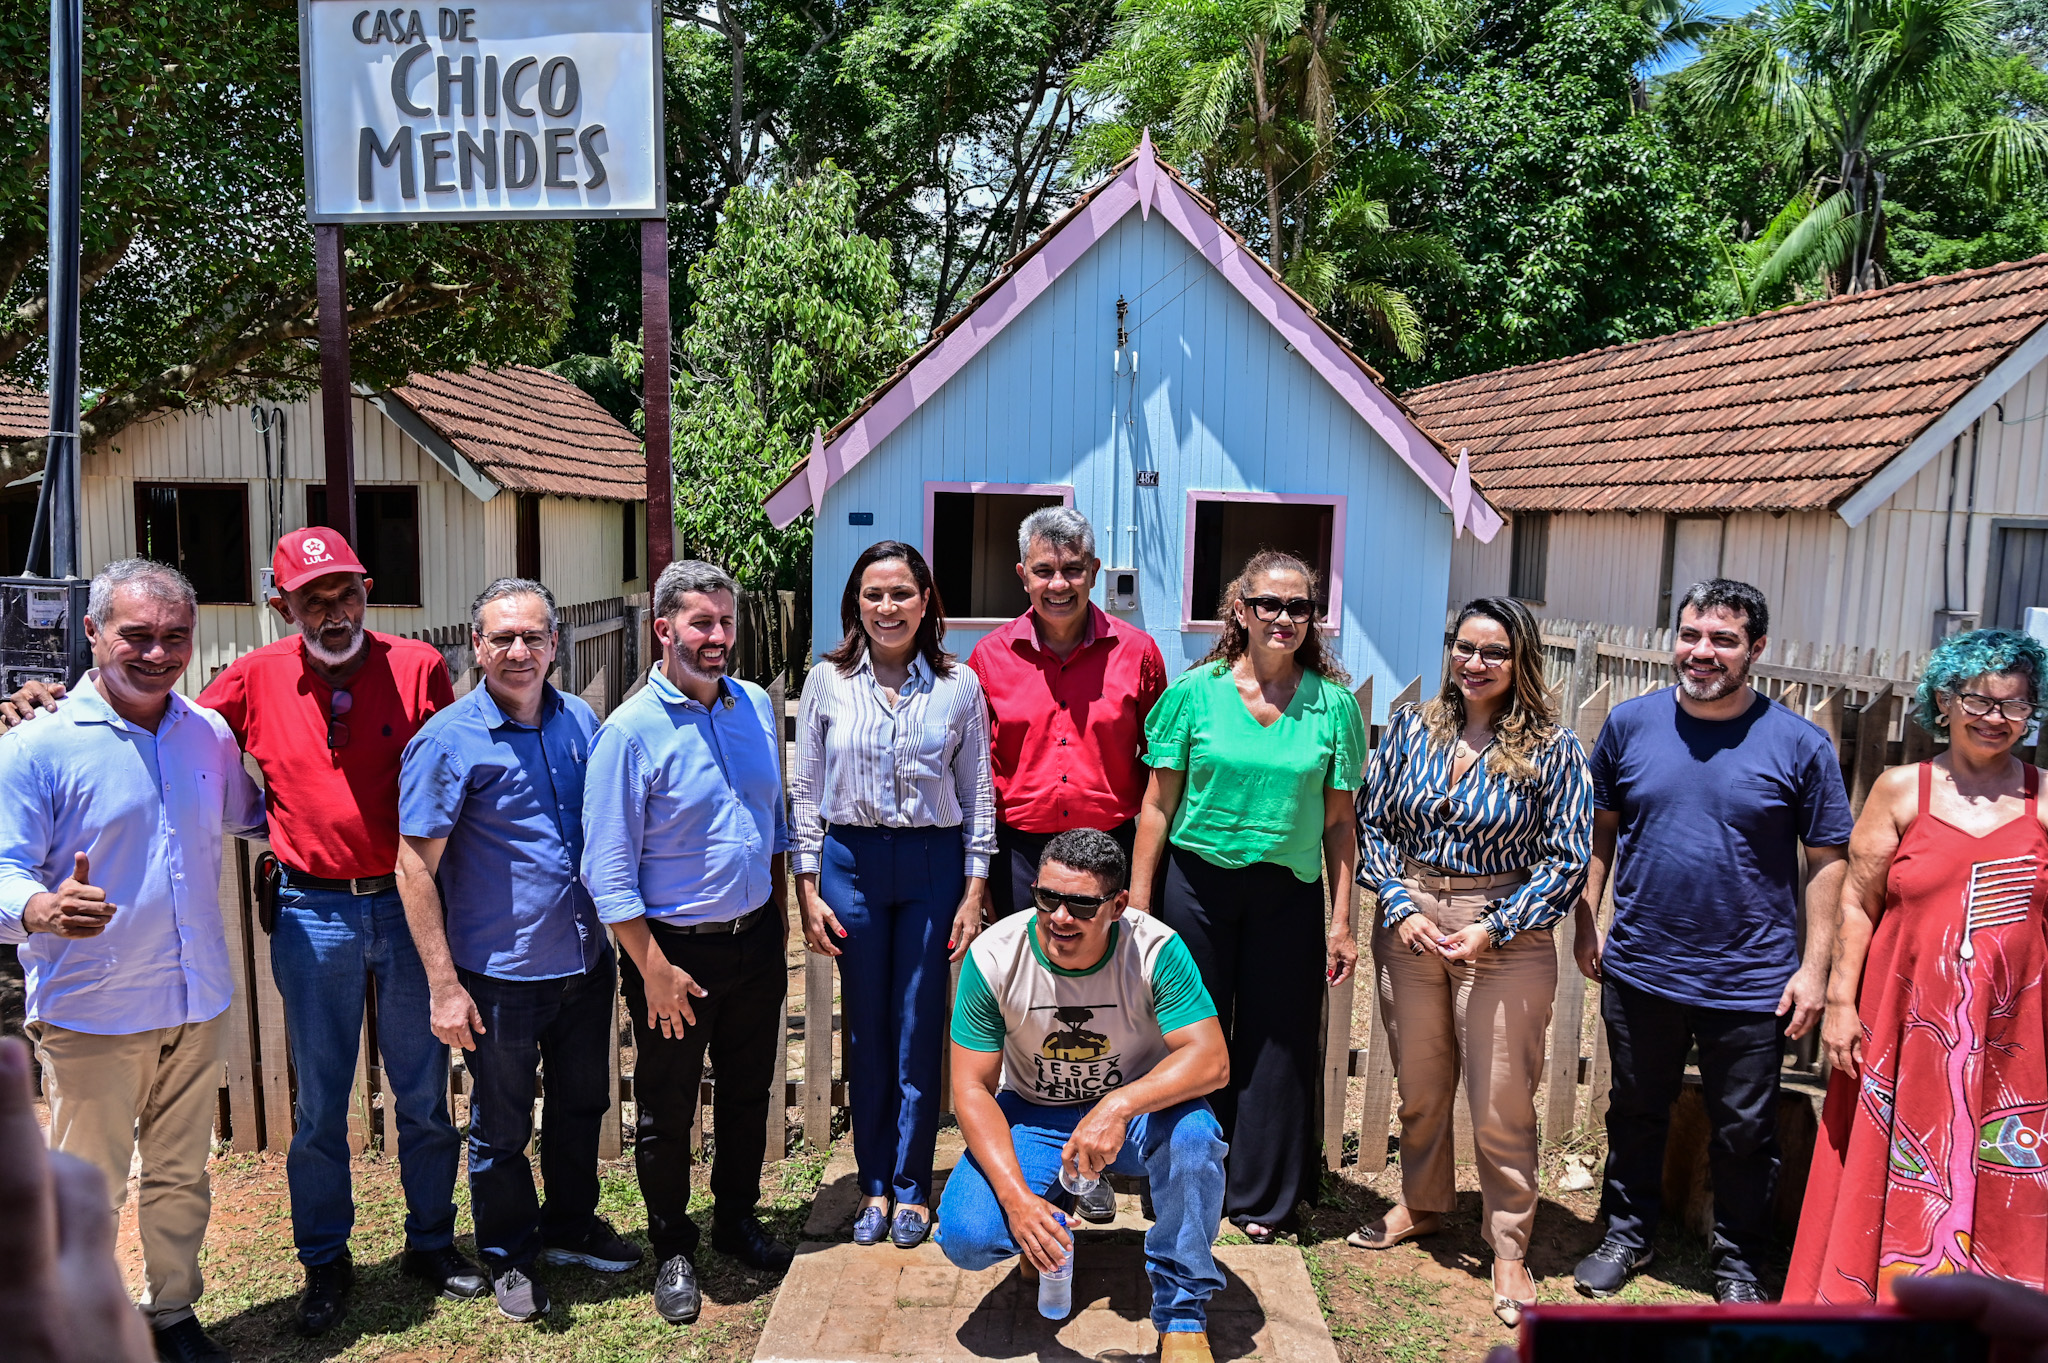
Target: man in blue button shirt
684 832
521 972
112 813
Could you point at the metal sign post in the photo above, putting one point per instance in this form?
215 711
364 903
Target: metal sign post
491 110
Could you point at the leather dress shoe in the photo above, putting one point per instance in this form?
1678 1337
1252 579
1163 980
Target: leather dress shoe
747 1242
909 1229
457 1278
869 1226
676 1294
326 1294
186 1342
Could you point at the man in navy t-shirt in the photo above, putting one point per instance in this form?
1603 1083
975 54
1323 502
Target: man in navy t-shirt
1707 790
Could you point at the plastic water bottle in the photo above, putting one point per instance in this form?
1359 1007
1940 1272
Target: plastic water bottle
1077 1183
1056 1289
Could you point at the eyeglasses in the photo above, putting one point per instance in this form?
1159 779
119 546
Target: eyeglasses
1489 655
502 643
2018 711
338 704
1081 906
1299 609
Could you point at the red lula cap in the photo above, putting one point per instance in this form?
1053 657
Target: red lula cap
314 551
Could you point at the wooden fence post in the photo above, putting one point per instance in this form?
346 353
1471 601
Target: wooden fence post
1376 1106
817 1051
246 1133
1568 1008
1873 738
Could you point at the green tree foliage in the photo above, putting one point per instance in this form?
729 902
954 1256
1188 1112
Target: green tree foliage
1280 110
1838 85
1809 240
796 317
198 261
1579 221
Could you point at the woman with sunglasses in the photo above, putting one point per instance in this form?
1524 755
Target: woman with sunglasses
1255 751
893 817
1474 831
1935 1132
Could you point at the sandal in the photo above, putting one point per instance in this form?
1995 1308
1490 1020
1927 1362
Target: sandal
1369 1238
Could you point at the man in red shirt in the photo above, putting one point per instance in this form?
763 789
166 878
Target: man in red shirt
326 714
1068 688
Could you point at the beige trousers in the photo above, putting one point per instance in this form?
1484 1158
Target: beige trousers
159 1087
1482 1020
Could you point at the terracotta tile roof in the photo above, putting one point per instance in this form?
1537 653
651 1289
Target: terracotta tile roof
1792 409
531 431
24 413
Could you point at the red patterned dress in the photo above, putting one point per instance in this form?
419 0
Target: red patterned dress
1935 1158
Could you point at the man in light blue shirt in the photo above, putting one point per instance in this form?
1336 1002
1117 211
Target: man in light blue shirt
684 831
521 973
112 814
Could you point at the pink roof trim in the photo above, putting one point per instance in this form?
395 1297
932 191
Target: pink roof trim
1143 185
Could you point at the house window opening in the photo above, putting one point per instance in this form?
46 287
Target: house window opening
974 551
202 530
1529 568
387 539
1229 533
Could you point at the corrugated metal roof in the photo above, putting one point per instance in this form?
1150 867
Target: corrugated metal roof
24 413
531 431
1790 410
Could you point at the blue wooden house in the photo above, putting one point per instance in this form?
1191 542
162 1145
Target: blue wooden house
1139 363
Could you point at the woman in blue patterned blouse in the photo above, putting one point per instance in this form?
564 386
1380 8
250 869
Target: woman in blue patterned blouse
1474 829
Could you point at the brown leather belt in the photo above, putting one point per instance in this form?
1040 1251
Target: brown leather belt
1442 882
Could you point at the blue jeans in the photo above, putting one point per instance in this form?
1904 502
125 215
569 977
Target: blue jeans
328 943
527 1024
894 890
1179 1148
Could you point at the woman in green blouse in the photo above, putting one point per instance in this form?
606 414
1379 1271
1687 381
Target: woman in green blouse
1255 752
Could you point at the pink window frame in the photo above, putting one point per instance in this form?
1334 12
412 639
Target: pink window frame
1063 491
1336 501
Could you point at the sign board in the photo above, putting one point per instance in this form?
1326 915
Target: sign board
483 109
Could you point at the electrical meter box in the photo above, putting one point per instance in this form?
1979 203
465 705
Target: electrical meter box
42 631
1123 589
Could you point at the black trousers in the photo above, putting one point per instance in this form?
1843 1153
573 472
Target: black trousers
1257 937
1015 868
1648 1037
737 1026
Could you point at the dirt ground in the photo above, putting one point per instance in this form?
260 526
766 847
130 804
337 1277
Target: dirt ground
1417 1303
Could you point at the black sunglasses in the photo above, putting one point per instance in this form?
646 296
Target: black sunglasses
1299 609
1081 906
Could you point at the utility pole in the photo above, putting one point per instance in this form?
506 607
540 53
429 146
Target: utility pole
57 502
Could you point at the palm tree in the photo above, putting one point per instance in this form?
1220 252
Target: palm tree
1810 237
1259 99
1829 79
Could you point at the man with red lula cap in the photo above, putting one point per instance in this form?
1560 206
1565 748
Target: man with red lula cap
327 713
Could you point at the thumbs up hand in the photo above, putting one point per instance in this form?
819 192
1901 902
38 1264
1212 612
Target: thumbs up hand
76 908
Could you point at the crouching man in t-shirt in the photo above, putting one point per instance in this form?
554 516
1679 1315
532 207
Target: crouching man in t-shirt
1084 1038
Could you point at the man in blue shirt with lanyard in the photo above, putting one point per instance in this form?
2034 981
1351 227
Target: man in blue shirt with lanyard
521 972
112 813
684 834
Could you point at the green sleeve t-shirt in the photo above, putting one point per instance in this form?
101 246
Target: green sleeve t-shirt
1070 1036
1255 793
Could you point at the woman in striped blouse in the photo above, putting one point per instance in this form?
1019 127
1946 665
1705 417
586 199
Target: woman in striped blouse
1474 829
894 821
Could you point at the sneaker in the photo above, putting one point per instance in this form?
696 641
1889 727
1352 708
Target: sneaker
1098 1205
447 1271
1738 1292
600 1247
676 1294
326 1295
1607 1269
519 1296
186 1342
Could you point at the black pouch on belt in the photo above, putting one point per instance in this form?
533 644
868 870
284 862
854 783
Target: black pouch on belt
269 880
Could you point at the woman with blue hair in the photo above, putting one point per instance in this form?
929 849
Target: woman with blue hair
1933 1156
